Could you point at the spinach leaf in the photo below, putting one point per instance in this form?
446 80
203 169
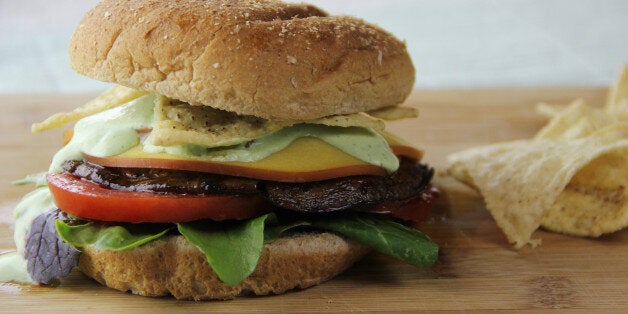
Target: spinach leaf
382 234
232 249
112 238
386 236
272 232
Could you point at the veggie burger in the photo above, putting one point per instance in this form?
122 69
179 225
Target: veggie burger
242 151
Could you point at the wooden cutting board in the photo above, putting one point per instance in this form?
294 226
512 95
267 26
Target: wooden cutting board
477 268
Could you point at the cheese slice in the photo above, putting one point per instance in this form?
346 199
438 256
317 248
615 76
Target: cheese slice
306 159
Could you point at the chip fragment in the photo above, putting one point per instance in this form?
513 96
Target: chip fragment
113 97
572 177
594 202
394 113
577 120
521 180
180 123
617 101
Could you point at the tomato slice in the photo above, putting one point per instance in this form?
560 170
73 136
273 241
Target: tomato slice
417 209
88 200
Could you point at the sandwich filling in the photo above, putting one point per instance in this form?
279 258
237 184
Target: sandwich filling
122 181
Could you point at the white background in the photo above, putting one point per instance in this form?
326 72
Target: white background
454 43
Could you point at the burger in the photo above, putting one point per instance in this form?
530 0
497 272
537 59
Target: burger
242 151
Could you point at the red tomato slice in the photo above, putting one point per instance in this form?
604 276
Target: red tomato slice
88 200
417 209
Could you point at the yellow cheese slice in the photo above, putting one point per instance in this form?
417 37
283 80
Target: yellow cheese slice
306 159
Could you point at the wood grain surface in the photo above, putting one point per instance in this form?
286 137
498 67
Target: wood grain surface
477 268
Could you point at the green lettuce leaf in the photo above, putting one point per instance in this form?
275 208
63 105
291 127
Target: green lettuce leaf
111 238
381 234
231 248
272 232
385 236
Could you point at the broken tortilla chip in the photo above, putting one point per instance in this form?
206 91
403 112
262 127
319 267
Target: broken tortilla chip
572 177
548 110
521 180
113 97
617 101
180 123
575 121
596 199
394 113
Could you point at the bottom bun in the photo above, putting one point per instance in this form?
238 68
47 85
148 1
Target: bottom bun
171 265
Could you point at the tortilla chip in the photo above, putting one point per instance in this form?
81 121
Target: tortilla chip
350 120
617 101
572 177
548 110
394 113
521 180
180 123
111 98
596 199
575 121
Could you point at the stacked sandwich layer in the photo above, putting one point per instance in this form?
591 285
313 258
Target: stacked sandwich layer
247 154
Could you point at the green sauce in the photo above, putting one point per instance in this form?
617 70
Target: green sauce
112 132
108 133
361 143
13 265
13 268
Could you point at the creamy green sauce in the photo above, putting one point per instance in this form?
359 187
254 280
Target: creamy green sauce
13 268
361 143
108 133
13 265
112 132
